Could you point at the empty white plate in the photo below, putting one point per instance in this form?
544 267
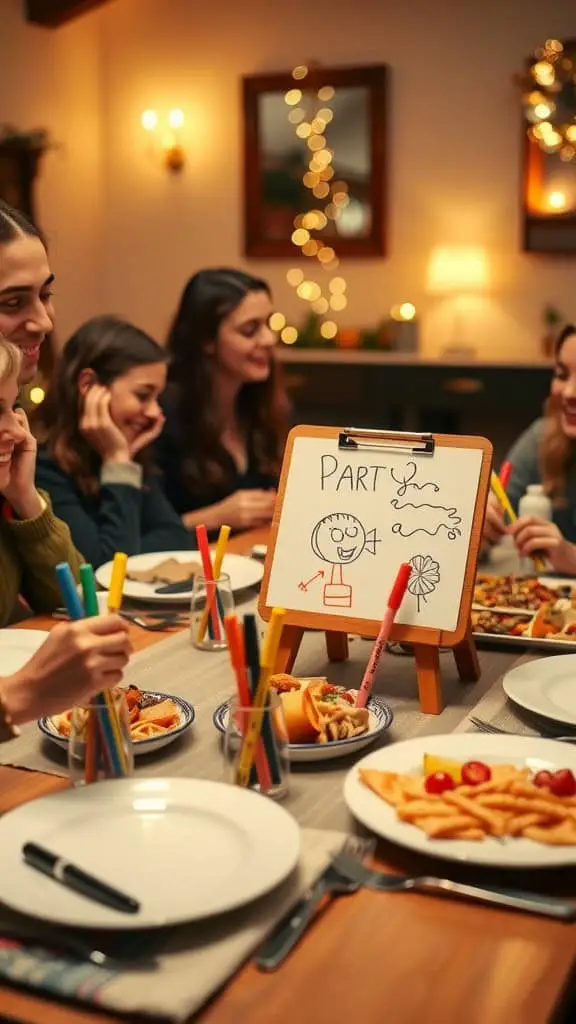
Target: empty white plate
184 848
547 687
243 572
17 647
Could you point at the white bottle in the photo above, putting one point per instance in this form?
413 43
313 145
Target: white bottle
534 503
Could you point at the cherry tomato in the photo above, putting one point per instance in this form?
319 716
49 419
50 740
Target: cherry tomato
543 779
474 773
438 783
563 783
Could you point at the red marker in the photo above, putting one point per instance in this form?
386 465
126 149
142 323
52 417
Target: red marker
394 602
504 475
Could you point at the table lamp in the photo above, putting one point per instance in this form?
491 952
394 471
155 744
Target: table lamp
459 274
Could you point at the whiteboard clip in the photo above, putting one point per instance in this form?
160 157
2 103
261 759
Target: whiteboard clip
353 438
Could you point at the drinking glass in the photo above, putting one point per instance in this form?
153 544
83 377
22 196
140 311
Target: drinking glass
100 745
212 600
270 770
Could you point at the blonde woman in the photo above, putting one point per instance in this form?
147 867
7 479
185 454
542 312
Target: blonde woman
546 454
79 658
32 540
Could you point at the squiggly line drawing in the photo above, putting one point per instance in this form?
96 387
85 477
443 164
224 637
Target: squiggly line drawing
428 519
405 481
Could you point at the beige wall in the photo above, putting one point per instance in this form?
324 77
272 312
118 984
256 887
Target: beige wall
454 165
51 80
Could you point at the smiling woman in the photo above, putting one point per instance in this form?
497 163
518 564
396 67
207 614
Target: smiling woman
26 314
100 416
545 454
32 540
226 407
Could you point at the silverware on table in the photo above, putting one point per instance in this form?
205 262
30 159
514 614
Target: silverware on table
333 882
483 726
181 587
156 622
130 951
513 899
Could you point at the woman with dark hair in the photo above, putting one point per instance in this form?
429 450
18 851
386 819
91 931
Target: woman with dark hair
100 416
546 454
26 313
226 407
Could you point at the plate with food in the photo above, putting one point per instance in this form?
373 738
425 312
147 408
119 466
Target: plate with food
321 720
546 688
526 611
167 576
499 801
156 719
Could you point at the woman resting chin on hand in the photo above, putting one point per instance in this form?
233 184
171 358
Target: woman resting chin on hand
534 536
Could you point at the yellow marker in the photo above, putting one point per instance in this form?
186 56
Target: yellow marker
254 727
217 569
502 497
117 582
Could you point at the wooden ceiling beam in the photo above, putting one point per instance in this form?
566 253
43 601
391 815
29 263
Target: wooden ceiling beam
53 13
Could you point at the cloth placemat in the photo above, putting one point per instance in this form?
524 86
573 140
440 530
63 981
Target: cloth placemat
206 679
194 962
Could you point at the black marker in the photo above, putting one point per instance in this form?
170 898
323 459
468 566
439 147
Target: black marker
80 881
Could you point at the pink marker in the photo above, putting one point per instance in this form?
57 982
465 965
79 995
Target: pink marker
394 602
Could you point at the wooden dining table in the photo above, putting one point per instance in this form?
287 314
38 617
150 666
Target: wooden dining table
372 957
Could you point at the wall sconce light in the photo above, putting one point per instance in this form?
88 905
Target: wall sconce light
173 153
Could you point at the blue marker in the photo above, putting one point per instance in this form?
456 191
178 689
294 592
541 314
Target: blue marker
68 590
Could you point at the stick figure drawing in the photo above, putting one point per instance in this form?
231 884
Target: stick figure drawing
338 539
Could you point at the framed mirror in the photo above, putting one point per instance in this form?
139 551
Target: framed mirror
346 109
549 153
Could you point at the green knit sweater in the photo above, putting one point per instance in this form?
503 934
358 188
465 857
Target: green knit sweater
30 549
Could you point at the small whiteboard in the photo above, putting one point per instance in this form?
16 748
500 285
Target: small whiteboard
348 517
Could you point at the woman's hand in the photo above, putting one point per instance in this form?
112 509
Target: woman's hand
99 429
534 536
77 660
149 435
495 527
21 493
241 510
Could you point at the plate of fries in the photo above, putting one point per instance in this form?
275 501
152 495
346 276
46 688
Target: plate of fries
156 719
504 820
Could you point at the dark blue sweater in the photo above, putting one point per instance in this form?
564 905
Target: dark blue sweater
129 513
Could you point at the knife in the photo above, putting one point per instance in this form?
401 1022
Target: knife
182 587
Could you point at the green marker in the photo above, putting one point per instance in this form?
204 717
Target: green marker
89 590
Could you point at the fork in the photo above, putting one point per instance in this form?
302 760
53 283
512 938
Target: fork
333 882
483 726
514 899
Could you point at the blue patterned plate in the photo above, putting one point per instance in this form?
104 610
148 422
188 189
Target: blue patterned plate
147 746
380 719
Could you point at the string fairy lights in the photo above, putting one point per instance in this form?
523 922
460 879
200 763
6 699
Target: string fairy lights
310 114
549 99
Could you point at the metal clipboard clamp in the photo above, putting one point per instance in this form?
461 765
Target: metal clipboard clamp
357 439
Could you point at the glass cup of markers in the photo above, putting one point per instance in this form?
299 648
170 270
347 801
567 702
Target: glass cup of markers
100 744
212 601
264 765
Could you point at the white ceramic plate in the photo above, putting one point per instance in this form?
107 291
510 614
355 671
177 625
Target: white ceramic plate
406 757
243 572
547 687
185 848
17 647
380 719
148 746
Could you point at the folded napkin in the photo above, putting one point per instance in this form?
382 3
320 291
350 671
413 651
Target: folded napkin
168 571
192 963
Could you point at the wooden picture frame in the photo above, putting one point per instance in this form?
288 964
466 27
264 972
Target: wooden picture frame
545 232
258 241
427 642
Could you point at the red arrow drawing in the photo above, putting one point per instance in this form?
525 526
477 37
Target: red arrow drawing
303 585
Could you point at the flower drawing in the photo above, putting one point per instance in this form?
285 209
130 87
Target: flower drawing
424 578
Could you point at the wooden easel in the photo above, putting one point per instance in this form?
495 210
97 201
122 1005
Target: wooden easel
425 641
